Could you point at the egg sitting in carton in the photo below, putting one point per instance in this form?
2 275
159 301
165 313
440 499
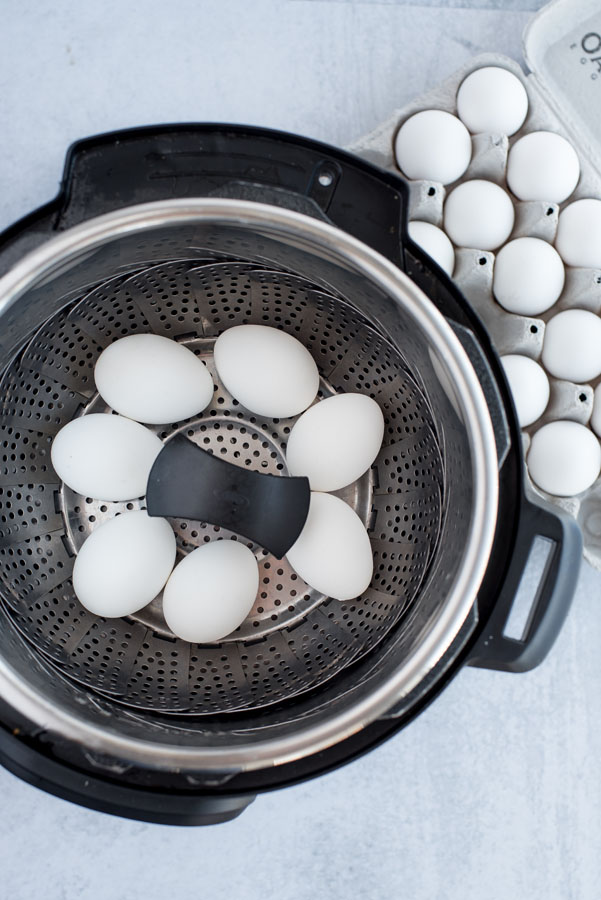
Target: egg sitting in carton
127 561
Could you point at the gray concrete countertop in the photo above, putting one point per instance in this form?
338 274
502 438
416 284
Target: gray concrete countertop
495 791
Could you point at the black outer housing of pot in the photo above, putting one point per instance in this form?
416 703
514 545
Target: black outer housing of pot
141 165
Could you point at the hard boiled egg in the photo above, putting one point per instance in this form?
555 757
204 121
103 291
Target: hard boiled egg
124 564
434 145
153 379
266 370
333 552
564 458
572 346
336 441
529 386
105 457
211 591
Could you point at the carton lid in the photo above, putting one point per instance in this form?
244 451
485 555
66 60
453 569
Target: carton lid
562 47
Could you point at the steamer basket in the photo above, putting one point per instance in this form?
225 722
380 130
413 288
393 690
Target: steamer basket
429 502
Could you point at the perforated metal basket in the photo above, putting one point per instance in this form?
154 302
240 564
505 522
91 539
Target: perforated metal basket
303 671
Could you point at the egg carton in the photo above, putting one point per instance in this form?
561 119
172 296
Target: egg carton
562 48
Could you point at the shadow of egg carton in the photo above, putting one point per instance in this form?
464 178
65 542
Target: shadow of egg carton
474 268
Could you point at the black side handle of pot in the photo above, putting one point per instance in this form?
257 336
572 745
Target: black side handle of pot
142 165
495 650
536 518
189 483
127 801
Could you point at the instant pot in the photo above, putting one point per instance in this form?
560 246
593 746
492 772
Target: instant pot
184 231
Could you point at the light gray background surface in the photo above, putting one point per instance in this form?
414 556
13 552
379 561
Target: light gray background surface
495 791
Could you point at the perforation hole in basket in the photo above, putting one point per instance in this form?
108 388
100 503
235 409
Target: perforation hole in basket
271 669
365 367
25 456
167 297
371 366
281 300
36 402
66 353
410 516
27 510
103 657
54 622
84 514
320 646
243 442
158 674
398 568
373 615
110 312
34 566
405 410
411 463
329 330
223 293
216 678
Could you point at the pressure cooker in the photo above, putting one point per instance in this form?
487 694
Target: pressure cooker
184 231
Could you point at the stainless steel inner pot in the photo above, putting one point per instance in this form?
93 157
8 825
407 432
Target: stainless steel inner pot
304 671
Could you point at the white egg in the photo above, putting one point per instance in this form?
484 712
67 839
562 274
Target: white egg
564 458
433 145
596 414
528 276
435 243
479 214
153 379
104 456
572 346
529 387
492 99
542 166
124 564
333 553
266 370
211 591
335 441
579 234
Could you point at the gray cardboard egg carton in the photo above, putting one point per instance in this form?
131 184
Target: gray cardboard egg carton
474 268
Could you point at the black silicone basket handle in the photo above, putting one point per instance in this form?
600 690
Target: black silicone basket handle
187 482
495 650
